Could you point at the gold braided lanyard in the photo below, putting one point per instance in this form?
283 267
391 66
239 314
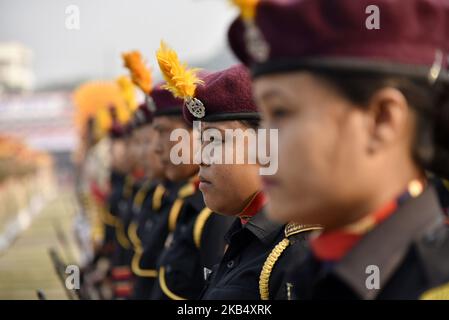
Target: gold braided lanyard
132 233
119 227
264 278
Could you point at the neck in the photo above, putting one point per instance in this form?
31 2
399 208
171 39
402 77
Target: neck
387 187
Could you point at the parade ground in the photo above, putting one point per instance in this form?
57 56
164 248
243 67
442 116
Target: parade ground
25 266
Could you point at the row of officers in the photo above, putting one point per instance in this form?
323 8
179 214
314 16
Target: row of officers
357 207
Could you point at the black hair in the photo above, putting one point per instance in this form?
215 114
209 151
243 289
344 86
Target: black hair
251 124
429 101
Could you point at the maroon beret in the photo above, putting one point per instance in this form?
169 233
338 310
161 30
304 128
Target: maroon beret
226 95
164 102
117 130
143 115
413 36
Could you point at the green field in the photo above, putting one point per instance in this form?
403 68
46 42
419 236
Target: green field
26 266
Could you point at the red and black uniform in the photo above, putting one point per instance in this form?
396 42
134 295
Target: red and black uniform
153 226
407 241
408 264
249 240
196 243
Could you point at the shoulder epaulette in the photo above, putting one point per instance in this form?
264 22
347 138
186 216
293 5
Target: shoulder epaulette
157 197
200 222
295 228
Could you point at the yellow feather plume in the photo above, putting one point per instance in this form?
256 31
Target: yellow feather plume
181 81
140 73
127 89
247 8
93 99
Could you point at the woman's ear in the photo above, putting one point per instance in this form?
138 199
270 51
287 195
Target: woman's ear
388 113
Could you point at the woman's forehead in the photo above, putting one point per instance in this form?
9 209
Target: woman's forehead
221 125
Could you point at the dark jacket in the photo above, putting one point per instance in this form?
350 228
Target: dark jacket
196 243
237 275
123 249
408 253
152 229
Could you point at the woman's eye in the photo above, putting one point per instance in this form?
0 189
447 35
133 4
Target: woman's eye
279 113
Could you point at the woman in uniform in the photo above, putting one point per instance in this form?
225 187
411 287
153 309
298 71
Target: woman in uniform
359 93
222 103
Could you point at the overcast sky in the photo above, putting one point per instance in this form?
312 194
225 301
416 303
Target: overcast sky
195 28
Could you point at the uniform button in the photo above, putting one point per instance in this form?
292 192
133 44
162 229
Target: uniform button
230 264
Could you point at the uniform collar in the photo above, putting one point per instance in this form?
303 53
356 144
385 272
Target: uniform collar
334 245
254 206
260 226
387 244
263 228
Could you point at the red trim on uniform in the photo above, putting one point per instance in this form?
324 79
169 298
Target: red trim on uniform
138 174
123 290
334 245
196 183
256 204
121 273
98 194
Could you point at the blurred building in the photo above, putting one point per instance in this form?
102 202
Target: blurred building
16 73
44 120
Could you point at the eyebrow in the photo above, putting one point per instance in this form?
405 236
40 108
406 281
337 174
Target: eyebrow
271 93
207 126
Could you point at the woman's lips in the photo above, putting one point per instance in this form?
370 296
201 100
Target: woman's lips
204 184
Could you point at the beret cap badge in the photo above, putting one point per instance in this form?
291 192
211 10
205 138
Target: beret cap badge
196 107
150 103
256 45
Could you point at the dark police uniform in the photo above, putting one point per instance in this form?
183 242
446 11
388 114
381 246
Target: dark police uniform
412 263
146 205
152 229
226 96
196 243
121 259
406 255
124 202
109 214
237 275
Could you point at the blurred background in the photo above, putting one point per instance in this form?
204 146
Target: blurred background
59 64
